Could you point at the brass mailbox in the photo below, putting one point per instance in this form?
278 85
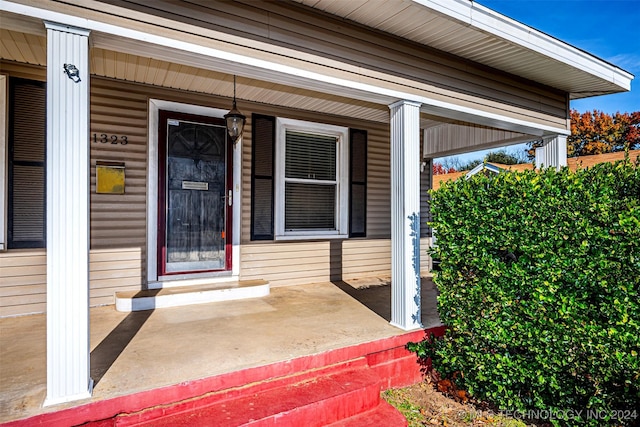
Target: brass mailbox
109 177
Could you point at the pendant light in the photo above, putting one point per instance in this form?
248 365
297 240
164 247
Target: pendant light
234 119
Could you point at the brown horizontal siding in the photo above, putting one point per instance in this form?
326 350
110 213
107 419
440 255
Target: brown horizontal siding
119 109
22 282
362 258
23 278
118 222
291 263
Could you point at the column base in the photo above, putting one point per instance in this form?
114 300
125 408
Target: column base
409 328
51 401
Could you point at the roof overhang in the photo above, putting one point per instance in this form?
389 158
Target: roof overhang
471 31
228 59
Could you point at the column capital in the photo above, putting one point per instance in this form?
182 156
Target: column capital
66 28
405 102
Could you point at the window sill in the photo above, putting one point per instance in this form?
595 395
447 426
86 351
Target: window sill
311 237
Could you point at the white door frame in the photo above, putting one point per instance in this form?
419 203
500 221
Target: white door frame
153 281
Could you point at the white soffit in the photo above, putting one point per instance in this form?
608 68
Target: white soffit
471 31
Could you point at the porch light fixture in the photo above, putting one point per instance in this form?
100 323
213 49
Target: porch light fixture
235 119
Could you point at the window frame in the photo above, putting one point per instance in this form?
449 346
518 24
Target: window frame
342 179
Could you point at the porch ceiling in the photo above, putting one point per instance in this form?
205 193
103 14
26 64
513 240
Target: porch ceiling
472 31
448 136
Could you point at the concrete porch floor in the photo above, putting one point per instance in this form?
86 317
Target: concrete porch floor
132 352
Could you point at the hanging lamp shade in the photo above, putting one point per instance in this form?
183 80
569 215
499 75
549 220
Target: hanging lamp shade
234 119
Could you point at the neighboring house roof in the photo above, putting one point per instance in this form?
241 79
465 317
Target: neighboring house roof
573 163
588 161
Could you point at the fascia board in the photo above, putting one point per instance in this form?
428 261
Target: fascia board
491 22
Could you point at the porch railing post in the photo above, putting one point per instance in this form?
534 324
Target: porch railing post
68 368
405 215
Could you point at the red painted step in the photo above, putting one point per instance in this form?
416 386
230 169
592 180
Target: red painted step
383 415
387 359
313 403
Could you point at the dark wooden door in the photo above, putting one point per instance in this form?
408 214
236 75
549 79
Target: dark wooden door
194 206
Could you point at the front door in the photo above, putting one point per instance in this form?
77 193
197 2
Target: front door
194 203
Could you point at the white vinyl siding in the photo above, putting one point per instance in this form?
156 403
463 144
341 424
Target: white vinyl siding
311 180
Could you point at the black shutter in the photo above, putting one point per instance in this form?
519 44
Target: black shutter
263 134
426 179
357 183
26 166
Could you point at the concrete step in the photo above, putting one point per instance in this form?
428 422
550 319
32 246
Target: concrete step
314 402
382 415
151 299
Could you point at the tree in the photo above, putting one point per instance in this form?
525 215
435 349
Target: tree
500 156
504 158
439 169
596 132
472 164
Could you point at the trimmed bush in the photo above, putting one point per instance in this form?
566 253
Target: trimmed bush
540 288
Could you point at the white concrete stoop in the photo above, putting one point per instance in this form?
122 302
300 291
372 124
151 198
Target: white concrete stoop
151 299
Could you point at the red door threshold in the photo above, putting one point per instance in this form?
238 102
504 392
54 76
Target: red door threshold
340 388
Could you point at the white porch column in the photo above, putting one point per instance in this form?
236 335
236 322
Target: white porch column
67 214
553 152
405 215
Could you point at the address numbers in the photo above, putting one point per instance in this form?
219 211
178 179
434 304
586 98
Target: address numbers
103 138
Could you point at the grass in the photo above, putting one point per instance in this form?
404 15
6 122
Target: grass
422 406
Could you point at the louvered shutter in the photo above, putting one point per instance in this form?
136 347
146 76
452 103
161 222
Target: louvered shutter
27 157
357 183
262 176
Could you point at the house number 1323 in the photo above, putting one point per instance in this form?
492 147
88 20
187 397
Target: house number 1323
109 139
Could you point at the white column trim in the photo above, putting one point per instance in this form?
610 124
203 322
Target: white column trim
405 215
68 351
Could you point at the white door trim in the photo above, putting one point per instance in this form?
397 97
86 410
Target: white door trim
153 281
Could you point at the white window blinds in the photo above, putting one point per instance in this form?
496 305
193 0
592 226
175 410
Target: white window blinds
310 181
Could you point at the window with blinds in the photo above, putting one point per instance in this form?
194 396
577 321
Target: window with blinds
27 157
310 181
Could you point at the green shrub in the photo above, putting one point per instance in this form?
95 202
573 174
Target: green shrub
540 288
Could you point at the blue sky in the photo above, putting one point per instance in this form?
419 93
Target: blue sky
608 29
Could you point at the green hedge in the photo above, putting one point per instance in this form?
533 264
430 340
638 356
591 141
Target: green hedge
539 286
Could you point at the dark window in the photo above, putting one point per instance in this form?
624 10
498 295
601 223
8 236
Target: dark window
26 166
